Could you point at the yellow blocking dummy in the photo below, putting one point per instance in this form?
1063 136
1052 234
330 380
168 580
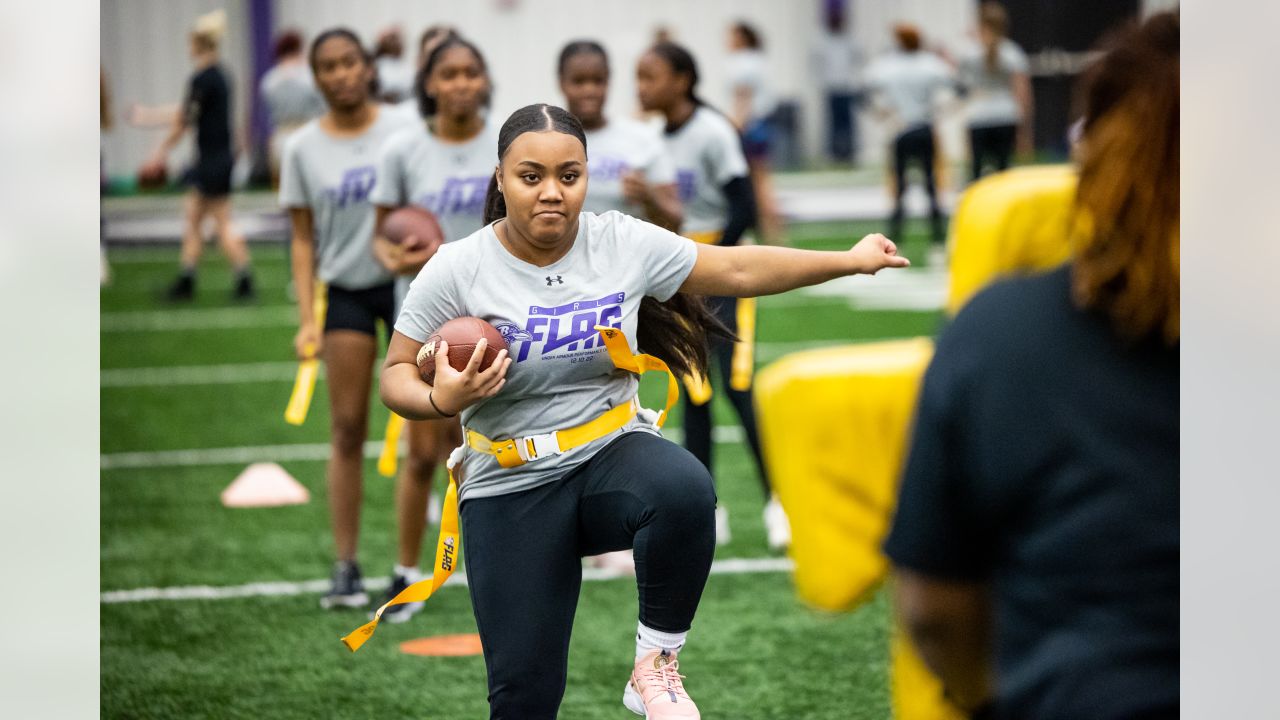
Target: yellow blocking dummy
1014 221
834 426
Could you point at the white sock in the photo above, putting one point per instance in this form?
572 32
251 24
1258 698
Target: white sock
411 574
648 640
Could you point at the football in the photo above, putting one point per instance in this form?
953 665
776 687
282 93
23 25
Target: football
412 221
461 334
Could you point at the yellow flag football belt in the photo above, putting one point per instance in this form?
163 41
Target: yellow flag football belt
514 452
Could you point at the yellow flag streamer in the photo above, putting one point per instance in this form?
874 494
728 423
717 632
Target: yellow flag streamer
390 446
450 541
304 385
622 357
744 362
447 548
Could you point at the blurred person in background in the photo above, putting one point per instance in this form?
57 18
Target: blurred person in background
628 165
714 186
904 87
837 60
290 95
1036 542
395 75
630 169
329 170
207 108
106 121
431 37
753 108
994 76
442 162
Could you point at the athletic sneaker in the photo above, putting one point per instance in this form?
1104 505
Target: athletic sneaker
347 589
401 613
776 525
182 289
722 525
244 289
656 689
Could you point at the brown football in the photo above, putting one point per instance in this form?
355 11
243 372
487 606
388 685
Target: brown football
412 220
462 334
152 176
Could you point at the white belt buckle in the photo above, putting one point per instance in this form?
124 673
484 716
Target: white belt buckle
543 445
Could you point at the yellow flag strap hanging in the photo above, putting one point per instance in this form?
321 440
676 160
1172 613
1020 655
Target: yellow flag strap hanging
514 452
304 385
638 363
447 546
390 446
446 560
743 364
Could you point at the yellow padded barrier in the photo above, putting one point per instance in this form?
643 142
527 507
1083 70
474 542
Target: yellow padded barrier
834 426
1011 222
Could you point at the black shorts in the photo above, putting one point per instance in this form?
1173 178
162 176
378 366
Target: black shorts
211 175
360 310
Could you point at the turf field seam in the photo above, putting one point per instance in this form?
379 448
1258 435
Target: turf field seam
729 566
302 451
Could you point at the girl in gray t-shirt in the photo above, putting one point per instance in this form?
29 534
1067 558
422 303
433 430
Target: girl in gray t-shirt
442 163
329 169
547 275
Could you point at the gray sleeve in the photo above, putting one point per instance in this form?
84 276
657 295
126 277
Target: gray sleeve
660 170
724 154
388 186
293 187
432 299
667 257
1015 59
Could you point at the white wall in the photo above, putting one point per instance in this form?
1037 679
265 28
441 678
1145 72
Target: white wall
146 54
144 47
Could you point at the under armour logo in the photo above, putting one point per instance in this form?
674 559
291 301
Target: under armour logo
556 279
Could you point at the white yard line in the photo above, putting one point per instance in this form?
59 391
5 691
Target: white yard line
917 289
199 374
200 319
301 451
732 566
286 371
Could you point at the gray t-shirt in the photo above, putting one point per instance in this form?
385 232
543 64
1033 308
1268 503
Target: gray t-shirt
908 83
561 375
333 177
991 98
707 154
450 179
290 94
618 148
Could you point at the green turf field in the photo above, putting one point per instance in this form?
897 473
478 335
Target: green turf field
213 375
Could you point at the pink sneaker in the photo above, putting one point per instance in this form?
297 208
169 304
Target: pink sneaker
656 690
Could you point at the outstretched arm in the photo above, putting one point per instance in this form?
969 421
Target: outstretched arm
753 270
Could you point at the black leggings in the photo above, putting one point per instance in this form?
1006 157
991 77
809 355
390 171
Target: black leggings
914 145
697 418
523 554
993 144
